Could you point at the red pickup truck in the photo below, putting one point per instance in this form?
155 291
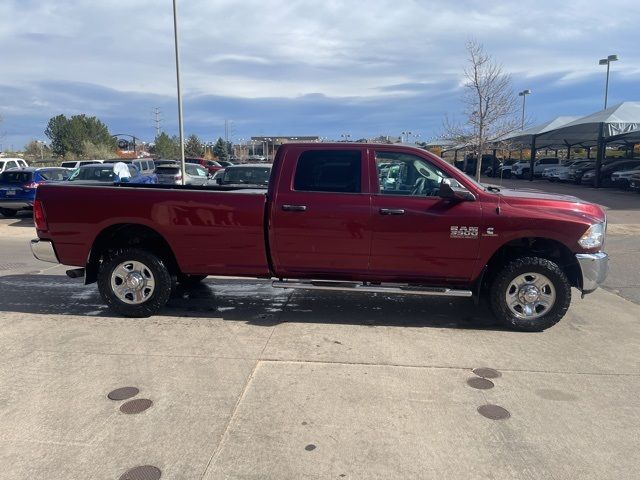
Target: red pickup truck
344 216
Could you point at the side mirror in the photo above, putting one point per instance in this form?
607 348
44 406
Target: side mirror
456 193
219 180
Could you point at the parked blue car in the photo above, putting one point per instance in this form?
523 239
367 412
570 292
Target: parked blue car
104 173
18 187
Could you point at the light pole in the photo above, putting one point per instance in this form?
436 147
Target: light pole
402 137
180 122
607 61
346 137
523 94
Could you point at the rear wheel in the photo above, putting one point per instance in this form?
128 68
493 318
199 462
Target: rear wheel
134 282
8 212
530 294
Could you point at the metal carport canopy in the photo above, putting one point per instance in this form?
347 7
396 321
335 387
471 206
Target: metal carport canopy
614 121
595 129
524 138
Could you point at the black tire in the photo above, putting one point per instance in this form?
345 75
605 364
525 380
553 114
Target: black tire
161 276
521 266
8 212
188 280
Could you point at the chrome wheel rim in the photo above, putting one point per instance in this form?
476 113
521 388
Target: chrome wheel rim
132 282
530 295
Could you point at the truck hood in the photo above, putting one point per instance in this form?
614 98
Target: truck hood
552 204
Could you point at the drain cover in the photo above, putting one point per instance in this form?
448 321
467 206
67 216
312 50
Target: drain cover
136 406
487 372
480 383
144 472
493 412
310 447
123 393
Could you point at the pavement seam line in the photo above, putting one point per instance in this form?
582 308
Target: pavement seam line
444 367
225 434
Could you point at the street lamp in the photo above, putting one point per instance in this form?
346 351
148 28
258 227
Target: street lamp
607 61
402 137
523 94
346 137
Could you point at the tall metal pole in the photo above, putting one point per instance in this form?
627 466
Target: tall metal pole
180 120
524 101
606 86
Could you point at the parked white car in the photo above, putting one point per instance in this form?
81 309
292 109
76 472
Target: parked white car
560 173
9 163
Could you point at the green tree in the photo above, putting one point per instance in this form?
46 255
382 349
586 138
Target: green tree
71 137
220 149
57 132
193 147
166 147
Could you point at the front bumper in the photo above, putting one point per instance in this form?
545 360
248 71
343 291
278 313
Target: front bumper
594 268
43 250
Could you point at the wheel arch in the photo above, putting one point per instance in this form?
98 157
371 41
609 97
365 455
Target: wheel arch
123 235
543 247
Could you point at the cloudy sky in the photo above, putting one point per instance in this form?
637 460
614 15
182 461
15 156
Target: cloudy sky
301 67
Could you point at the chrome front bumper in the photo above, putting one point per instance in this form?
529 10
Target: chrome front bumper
594 268
43 250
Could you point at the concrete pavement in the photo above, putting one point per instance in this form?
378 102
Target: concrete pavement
255 383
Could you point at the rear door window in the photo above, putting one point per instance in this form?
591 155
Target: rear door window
336 171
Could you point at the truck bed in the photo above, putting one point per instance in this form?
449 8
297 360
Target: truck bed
214 230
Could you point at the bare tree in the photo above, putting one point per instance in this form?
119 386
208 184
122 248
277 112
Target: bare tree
490 103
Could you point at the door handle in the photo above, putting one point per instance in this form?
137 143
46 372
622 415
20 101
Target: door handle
391 211
294 208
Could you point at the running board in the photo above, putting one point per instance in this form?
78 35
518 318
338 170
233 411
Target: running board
372 288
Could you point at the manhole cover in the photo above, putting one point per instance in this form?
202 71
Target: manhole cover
123 393
11 266
487 372
480 383
310 447
493 412
136 406
144 472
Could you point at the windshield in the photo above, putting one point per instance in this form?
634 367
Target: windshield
101 174
253 175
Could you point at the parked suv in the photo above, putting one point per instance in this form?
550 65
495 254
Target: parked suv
171 174
18 187
521 169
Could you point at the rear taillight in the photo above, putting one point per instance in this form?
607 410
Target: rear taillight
31 185
39 218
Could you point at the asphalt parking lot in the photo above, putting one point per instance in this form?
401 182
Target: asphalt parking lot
255 383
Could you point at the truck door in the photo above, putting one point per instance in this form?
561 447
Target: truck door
320 219
416 234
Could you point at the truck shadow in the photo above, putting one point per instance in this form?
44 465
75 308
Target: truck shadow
251 301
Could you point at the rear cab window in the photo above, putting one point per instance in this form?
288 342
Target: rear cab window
337 171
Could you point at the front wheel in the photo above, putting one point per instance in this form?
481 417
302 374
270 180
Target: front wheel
530 294
134 282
